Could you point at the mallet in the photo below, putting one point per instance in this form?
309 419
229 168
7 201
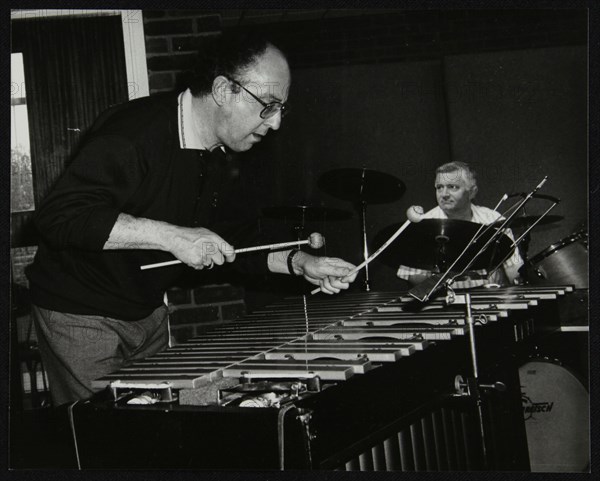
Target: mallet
414 214
314 241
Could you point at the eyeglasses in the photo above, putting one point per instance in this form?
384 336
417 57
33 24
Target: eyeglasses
270 109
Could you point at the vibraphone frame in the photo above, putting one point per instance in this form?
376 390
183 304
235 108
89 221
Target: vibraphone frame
404 415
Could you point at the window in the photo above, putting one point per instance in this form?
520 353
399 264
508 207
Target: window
21 187
67 67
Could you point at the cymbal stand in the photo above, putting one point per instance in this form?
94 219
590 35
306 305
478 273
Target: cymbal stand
441 261
524 245
525 237
297 282
363 218
299 228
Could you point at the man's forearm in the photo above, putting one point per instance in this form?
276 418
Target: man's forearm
139 233
277 262
197 247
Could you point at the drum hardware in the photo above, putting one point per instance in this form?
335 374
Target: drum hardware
535 272
556 412
530 221
362 187
363 217
464 388
522 242
301 213
441 260
525 238
565 261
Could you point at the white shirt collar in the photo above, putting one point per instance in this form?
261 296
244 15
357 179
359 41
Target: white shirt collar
188 136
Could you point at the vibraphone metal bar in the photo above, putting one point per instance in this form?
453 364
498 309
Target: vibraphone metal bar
357 345
261 332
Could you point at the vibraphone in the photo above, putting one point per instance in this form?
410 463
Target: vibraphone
358 381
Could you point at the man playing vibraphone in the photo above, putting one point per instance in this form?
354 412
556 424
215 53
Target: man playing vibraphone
455 189
144 188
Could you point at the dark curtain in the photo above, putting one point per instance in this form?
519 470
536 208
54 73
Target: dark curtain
74 69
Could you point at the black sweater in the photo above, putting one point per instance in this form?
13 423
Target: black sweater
131 162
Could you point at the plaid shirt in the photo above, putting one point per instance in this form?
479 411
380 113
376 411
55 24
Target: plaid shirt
481 215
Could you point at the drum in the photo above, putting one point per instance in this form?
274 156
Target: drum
557 419
565 262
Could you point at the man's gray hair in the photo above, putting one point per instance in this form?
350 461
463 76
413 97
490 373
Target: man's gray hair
458 166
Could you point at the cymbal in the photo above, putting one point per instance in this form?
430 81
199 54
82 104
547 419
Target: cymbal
418 246
306 213
536 196
528 220
362 185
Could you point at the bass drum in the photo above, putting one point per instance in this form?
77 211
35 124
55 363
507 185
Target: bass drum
556 409
565 262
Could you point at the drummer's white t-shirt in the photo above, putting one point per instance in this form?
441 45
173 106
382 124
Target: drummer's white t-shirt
480 215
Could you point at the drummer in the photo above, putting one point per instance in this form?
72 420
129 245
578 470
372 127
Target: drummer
455 189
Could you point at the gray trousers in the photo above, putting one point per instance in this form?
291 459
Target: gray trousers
77 349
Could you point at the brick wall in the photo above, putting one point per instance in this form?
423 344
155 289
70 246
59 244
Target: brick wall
333 37
172 37
192 311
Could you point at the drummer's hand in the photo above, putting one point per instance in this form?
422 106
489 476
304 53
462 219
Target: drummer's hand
416 279
329 273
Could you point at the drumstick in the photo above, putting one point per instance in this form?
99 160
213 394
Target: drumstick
414 214
315 241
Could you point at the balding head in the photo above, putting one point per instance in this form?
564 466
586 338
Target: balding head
229 55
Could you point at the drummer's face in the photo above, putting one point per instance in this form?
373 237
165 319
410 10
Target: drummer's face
454 192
